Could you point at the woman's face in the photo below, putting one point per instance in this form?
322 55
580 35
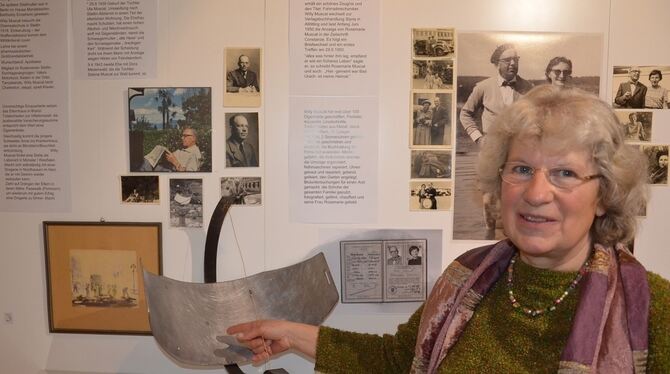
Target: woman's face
560 74
654 79
663 161
550 226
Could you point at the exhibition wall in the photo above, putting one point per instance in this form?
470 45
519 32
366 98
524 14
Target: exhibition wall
192 36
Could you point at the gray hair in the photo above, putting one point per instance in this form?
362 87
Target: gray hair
574 119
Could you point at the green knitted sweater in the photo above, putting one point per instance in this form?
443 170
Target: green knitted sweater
498 338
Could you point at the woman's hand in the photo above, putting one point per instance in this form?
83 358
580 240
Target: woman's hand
267 338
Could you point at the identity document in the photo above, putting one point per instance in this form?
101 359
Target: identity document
377 271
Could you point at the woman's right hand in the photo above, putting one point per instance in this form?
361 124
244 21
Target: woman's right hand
267 338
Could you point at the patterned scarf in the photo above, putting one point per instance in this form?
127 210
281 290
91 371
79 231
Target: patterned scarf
610 329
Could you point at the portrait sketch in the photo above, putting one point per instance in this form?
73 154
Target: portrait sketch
636 125
186 203
430 164
243 72
494 70
431 120
170 129
430 195
242 140
104 278
245 190
140 189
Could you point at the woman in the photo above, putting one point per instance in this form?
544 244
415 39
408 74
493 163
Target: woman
422 120
657 96
422 194
635 129
559 71
659 173
561 294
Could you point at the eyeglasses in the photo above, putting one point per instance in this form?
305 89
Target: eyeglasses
558 72
508 60
186 135
565 179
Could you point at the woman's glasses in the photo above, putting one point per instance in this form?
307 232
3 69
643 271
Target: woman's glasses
565 179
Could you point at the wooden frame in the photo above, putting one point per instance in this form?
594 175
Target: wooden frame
93 275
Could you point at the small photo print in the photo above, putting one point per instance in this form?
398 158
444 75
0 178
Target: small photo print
658 163
140 189
431 164
245 190
186 202
170 129
433 74
241 140
433 42
639 87
430 195
636 125
431 119
243 77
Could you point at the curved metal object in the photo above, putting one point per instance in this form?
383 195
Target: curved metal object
189 320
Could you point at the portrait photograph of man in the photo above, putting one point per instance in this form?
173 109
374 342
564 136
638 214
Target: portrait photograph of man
170 129
242 140
243 75
494 70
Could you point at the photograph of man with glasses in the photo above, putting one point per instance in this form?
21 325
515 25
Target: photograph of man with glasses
188 158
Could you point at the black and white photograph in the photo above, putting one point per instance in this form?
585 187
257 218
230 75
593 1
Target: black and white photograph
431 164
640 87
405 281
243 77
241 140
431 119
658 163
433 42
636 125
170 129
432 74
140 189
432 195
414 255
186 203
245 190
494 70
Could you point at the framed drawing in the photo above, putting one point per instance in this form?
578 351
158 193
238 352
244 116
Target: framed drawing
93 273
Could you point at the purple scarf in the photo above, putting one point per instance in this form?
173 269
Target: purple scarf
610 329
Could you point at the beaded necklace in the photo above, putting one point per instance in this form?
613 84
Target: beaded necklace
536 312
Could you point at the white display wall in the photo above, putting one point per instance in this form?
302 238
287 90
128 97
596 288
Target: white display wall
191 40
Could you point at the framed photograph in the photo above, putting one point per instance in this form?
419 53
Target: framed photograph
94 275
170 129
243 77
433 43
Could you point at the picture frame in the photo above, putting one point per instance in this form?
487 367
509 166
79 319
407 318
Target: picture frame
93 275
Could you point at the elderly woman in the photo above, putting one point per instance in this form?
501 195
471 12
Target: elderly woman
657 95
562 293
559 71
